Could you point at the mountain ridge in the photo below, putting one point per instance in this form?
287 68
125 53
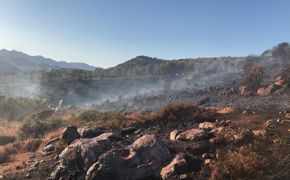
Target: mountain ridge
14 61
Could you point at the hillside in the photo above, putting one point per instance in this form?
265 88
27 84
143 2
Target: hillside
14 61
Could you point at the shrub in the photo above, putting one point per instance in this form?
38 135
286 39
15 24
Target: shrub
6 140
32 145
184 112
4 157
35 128
254 76
88 115
241 164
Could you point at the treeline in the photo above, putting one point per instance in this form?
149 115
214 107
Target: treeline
143 66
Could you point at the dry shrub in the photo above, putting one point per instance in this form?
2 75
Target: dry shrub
185 112
6 140
241 164
4 157
254 76
31 145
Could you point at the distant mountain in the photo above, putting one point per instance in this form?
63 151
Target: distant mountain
14 61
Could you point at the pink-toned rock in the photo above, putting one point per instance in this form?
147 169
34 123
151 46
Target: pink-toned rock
192 134
207 125
260 132
177 166
173 135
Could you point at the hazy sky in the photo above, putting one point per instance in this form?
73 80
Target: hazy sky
107 32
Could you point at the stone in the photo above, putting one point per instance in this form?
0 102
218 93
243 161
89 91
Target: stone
52 141
49 148
140 160
207 161
192 134
207 125
259 132
70 134
128 131
81 154
178 165
173 135
269 124
287 115
91 133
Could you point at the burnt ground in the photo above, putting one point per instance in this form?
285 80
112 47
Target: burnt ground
250 113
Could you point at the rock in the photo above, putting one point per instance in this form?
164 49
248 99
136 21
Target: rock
142 159
81 154
70 134
260 132
237 138
128 131
217 130
173 135
49 148
207 125
52 141
244 90
91 133
177 166
207 161
28 175
192 134
269 124
183 176
287 116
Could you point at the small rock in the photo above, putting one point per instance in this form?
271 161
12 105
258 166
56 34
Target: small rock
91 133
207 161
207 125
287 115
260 132
28 175
128 131
177 166
49 148
173 135
52 141
269 124
238 138
183 176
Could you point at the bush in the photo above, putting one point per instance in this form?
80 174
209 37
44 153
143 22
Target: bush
254 76
88 115
35 128
241 164
32 145
6 140
184 112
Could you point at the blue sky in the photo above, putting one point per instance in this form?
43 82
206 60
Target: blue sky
107 32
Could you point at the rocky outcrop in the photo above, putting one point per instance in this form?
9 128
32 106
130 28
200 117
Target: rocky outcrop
142 159
70 134
81 154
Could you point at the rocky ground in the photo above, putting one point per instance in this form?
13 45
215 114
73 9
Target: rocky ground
194 143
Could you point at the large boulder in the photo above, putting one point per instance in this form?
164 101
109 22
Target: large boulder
91 133
81 154
177 166
192 134
143 159
70 134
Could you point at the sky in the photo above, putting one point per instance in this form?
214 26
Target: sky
105 33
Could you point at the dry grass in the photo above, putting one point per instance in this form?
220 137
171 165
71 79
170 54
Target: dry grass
10 128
